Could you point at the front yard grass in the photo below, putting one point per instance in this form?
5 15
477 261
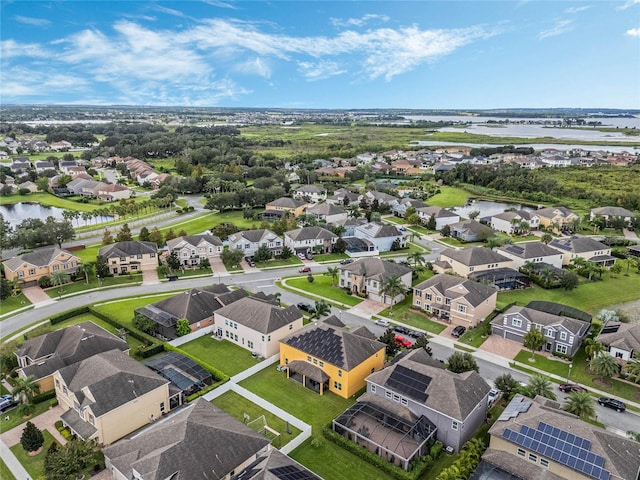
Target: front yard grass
12 303
237 406
410 248
279 262
330 257
15 417
402 312
454 242
80 285
588 296
326 459
34 465
221 354
321 286
5 473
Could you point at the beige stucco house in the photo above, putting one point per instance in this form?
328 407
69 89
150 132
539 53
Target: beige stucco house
469 260
41 262
367 275
558 218
584 247
123 257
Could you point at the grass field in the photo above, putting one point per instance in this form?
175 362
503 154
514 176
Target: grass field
588 296
12 303
449 197
5 473
223 355
411 248
50 201
237 406
322 286
34 465
123 309
326 459
403 313
278 262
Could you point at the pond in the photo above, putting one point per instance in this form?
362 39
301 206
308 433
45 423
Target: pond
17 212
487 208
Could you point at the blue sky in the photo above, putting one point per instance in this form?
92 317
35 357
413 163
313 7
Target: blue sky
322 54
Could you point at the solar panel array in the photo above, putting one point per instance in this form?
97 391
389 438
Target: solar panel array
516 406
322 343
409 382
292 472
562 447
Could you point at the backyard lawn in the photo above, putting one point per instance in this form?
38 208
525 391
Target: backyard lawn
10 304
449 197
321 287
34 465
223 355
327 459
588 296
123 309
403 313
237 406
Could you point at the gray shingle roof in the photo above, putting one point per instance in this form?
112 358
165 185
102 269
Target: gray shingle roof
40 257
378 230
627 337
470 227
474 256
516 214
126 249
453 394
376 268
269 466
194 240
258 315
286 202
253 236
310 233
310 189
613 212
326 209
451 286
528 250
200 442
334 345
577 244
437 212
550 212
577 327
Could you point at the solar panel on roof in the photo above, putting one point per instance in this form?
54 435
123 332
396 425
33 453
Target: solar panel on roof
292 472
409 382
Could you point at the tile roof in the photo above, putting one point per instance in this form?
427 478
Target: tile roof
334 345
474 256
310 233
375 268
259 315
40 257
199 442
127 249
451 286
551 212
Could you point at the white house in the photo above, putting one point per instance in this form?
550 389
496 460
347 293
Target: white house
531 252
248 241
442 216
192 249
380 235
311 192
510 222
328 212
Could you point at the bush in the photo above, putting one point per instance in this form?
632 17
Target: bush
61 317
59 426
43 397
45 282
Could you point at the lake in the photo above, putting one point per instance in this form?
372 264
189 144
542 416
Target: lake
17 212
487 208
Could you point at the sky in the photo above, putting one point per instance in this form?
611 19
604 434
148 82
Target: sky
322 54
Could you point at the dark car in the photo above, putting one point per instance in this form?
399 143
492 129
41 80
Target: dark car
617 405
458 331
304 269
305 306
346 261
401 330
7 403
572 387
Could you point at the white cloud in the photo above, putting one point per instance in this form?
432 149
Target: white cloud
38 22
39 83
256 66
216 3
12 49
320 70
169 11
634 32
572 10
560 27
628 4
358 22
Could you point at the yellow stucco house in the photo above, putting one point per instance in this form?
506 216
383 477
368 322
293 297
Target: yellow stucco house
324 356
109 396
41 262
289 205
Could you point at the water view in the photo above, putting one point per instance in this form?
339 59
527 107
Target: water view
15 213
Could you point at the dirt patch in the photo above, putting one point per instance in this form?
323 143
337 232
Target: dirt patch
636 396
35 452
599 382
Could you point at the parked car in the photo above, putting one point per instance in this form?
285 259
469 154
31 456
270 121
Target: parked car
572 387
305 306
304 269
616 405
401 330
458 331
7 403
402 229
382 323
309 256
346 261
403 342
302 255
494 393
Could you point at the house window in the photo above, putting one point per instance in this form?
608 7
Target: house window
337 385
56 268
427 308
372 388
561 349
291 326
462 308
339 373
387 394
521 452
533 458
418 302
226 322
471 269
315 361
308 357
427 296
134 267
544 462
91 419
418 293
516 322
321 363
548 332
249 344
563 335
404 401
396 398
139 256
447 301
32 271
161 407
286 361
57 383
439 299
454 425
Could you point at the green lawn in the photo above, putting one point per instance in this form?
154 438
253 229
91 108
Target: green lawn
50 201
34 465
476 336
279 262
13 303
423 274
327 460
223 355
81 286
588 296
454 242
449 197
411 247
5 473
395 220
88 254
403 313
192 272
123 309
15 417
322 286
421 230
236 406
330 257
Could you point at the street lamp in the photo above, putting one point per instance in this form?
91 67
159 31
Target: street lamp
569 376
99 282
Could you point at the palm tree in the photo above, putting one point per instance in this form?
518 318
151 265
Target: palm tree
547 275
580 404
322 309
632 369
354 212
87 269
417 258
604 365
540 385
392 286
592 347
27 388
59 278
332 272
546 238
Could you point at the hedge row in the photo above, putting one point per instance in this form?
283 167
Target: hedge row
218 375
61 317
43 397
143 337
418 467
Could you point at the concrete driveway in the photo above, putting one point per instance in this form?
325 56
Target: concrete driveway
501 346
44 421
36 295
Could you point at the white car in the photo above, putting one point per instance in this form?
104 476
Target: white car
302 256
494 393
382 323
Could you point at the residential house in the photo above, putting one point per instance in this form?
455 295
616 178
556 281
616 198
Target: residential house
109 395
406 166
562 334
367 276
468 260
441 215
28 185
20 164
192 249
62 145
257 325
380 236
63 165
536 439
400 209
30 267
350 225
454 299
111 192
584 247
531 252
248 241
325 356
513 222
419 402
43 355
557 218
273 464
75 171
344 197
197 305
621 339
633 250
200 442
470 231
132 256
77 185
158 180
611 212
340 172
383 199
310 239
310 193
328 212
289 205
42 166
